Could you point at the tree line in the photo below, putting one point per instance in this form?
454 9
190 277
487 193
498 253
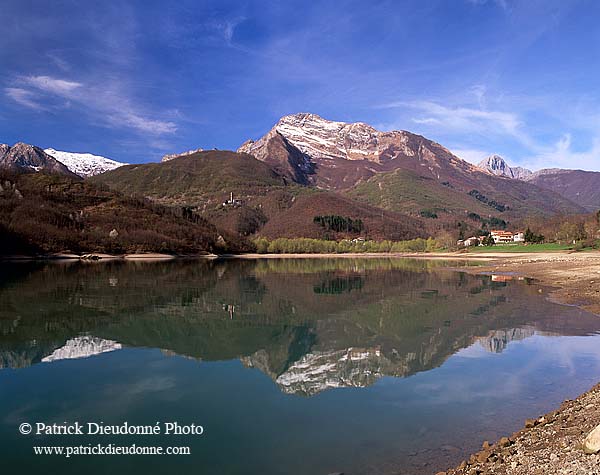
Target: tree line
339 224
321 246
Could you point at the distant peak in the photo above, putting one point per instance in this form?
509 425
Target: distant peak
496 165
493 159
23 157
84 164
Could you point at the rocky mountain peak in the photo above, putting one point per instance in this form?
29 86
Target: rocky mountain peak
82 347
496 165
23 157
326 139
338 155
4 148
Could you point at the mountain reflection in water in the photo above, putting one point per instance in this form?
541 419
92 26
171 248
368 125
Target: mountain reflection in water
310 325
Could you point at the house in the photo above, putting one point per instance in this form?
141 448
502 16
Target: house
519 236
232 201
472 241
505 237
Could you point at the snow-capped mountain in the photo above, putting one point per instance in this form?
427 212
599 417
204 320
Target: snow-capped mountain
322 370
338 155
319 138
84 164
319 371
496 165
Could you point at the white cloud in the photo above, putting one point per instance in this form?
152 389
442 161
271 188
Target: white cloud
428 120
467 121
562 155
105 102
226 29
23 97
143 124
53 85
477 132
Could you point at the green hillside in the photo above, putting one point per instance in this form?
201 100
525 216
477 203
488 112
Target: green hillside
406 191
203 177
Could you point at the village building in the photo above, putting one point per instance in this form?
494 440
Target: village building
471 241
232 201
506 237
519 236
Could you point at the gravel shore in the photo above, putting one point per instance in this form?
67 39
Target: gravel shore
549 444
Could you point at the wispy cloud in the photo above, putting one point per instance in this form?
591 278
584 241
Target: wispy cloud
474 133
466 120
501 3
224 29
23 97
562 155
53 85
106 102
229 27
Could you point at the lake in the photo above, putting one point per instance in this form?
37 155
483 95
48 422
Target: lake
291 366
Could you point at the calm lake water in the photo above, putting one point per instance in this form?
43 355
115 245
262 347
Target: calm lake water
360 366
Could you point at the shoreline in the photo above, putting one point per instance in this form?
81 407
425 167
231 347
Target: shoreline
549 444
347 255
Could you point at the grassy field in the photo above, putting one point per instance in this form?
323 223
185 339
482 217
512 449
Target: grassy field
522 248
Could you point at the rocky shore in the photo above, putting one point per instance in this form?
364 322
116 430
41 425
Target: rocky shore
551 444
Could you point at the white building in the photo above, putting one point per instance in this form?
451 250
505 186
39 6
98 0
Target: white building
519 236
232 201
505 237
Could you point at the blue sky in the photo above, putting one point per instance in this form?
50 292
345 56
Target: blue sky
134 80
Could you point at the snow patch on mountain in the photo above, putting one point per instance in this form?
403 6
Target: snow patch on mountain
84 164
319 371
82 347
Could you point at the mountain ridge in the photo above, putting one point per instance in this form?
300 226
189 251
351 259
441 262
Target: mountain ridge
580 186
344 156
84 164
